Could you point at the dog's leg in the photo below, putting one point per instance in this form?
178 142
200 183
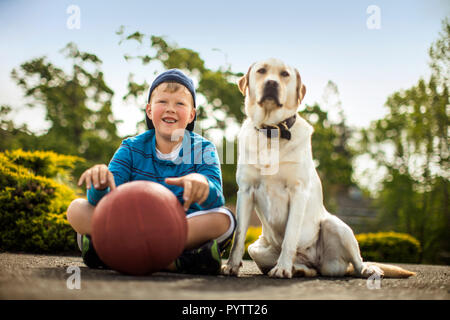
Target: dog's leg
298 196
352 253
264 254
368 269
340 247
244 208
334 255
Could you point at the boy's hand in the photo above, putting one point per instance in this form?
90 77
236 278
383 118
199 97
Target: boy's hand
99 176
196 188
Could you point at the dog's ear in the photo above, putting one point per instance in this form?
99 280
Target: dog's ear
244 81
302 93
301 89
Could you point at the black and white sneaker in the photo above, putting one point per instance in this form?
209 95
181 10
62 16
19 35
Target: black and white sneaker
204 260
88 253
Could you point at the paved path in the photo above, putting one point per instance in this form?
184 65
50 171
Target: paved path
27 276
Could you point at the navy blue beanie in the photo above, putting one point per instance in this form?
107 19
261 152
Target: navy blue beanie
172 75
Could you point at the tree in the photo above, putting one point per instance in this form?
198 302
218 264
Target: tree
331 153
218 87
12 137
411 143
440 56
78 106
330 145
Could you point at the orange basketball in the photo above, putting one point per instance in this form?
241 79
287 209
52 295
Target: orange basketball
139 228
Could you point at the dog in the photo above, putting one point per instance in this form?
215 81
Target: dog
276 176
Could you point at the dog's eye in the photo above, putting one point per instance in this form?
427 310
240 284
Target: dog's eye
262 70
284 74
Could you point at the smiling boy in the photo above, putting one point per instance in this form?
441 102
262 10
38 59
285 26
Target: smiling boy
169 153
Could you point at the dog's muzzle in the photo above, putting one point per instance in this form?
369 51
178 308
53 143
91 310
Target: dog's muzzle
271 93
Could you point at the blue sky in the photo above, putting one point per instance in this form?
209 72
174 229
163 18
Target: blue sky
325 40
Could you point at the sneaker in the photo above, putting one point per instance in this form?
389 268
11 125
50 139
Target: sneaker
203 260
88 253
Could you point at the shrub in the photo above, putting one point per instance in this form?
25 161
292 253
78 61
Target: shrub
389 247
32 205
379 247
44 163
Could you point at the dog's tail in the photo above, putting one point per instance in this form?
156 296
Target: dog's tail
390 271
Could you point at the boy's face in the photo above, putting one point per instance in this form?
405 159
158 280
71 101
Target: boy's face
170 111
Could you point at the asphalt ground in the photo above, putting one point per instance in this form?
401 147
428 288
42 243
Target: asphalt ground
32 276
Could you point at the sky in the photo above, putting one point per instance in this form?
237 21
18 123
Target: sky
324 40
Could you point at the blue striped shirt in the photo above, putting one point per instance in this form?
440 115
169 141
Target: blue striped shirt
136 160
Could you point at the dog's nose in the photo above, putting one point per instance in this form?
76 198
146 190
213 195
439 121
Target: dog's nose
271 84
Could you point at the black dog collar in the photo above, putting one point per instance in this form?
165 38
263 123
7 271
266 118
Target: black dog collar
282 129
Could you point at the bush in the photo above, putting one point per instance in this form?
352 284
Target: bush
389 247
377 247
44 163
32 204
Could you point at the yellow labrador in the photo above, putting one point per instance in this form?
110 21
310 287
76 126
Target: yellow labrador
277 177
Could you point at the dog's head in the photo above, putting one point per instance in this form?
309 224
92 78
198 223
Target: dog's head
272 90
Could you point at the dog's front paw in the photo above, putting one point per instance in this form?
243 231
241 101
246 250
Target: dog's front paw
231 269
280 272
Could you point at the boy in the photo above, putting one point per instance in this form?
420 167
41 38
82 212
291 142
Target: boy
171 154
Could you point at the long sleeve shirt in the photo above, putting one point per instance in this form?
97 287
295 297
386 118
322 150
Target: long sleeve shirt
136 159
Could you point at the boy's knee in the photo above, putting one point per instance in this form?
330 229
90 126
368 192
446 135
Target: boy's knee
76 207
224 222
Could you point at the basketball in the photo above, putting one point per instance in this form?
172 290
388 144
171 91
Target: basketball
139 228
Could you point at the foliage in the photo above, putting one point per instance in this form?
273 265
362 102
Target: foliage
12 137
389 247
33 207
43 163
331 152
411 144
440 56
78 108
228 157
